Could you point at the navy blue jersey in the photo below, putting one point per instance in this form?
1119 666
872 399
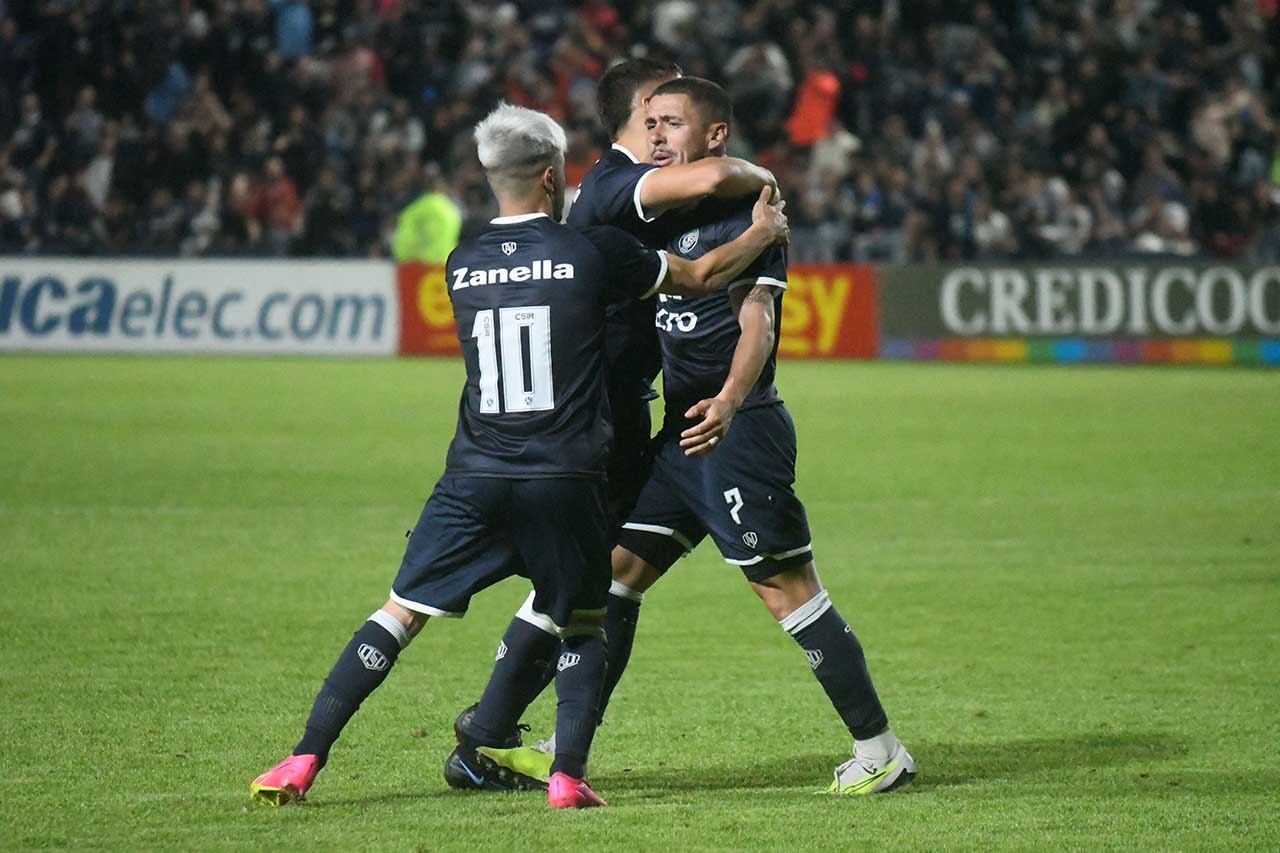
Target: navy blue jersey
698 336
529 296
610 195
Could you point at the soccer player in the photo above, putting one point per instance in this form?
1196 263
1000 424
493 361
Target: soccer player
735 484
523 491
625 190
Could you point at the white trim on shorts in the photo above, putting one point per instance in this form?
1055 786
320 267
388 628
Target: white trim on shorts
781 556
541 621
663 531
418 607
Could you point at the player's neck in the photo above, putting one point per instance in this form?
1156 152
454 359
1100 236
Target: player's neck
524 206
636 143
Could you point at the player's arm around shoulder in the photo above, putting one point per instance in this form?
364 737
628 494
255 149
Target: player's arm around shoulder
724 264
711 177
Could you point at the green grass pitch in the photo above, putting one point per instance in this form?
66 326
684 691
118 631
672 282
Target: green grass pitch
1067 582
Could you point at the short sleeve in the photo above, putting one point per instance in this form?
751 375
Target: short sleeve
632 270
615 197
770 268
635 198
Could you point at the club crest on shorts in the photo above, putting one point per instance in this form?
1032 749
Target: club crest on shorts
567 660
509 247
502 650
815 658
372 658
688 240
750 538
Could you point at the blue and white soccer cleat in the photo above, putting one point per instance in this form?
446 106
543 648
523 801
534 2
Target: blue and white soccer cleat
865 775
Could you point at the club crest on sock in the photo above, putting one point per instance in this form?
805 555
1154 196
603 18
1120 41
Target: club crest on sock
567 660
815 658
372 658
502 650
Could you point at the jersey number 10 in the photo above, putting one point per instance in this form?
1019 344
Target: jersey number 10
524 337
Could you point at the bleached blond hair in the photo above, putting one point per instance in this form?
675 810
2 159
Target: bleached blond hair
518 142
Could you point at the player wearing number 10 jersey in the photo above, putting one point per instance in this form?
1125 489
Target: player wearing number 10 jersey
733 484
523 489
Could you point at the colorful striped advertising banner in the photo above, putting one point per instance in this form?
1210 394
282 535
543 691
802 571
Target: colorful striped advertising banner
1080 350
1121 313
1114 313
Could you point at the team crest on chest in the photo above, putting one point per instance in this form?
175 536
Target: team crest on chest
688 240
509 247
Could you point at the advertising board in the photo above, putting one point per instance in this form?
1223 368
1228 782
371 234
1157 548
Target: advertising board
829 311
258 307
1098 312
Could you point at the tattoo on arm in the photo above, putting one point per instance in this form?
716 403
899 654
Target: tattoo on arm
759 294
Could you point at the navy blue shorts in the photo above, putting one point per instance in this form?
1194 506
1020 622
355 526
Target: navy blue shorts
741 494
476 531
632 456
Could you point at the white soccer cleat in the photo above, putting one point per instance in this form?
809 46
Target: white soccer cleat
861 776
549 747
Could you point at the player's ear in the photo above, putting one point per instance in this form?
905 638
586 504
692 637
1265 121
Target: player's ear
717 135
549 179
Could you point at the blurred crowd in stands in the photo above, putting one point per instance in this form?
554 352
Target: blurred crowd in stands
899 129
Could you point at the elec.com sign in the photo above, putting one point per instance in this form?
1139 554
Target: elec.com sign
330 308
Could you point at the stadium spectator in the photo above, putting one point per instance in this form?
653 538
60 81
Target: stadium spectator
327 209
294 27
815 108
277 207
1131 105
428 229
238 232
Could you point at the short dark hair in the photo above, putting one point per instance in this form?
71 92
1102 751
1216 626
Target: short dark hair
710 99
617 89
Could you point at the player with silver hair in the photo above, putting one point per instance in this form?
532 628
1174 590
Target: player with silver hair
523 491
514 145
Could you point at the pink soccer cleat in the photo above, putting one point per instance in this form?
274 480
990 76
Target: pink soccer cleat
287 781
566 792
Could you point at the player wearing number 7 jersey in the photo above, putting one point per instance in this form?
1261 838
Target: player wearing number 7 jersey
523 489
732 484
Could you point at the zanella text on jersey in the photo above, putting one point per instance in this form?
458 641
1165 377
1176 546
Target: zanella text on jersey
539 271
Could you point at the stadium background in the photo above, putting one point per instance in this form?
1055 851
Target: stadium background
1066 578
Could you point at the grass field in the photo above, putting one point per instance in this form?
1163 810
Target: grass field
1067 582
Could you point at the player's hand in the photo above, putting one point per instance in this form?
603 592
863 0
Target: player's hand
768 215
716 414
776 195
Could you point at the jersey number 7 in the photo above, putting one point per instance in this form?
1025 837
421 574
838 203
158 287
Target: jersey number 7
523 335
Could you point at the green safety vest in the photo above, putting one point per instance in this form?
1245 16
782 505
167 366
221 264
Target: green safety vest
427 230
